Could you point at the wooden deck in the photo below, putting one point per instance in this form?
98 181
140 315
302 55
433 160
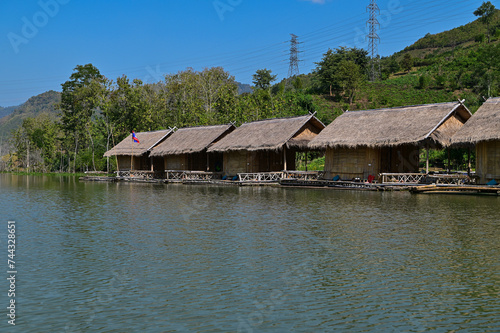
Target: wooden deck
456 189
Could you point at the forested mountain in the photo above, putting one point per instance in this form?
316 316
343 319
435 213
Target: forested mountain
36 105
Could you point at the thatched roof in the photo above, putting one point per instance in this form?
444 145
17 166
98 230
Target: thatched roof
270 134
483 126
147 140
418 124
191 140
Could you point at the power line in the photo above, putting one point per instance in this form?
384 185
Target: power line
373 39
293 69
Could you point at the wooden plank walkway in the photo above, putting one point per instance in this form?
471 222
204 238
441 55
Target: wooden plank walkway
454 189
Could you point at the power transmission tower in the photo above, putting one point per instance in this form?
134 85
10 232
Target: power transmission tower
293 69
373 39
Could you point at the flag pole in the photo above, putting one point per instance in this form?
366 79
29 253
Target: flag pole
132 157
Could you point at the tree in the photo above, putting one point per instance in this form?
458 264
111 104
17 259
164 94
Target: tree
36 142
80 100
486 12
327 70
263 78
350 78
407 63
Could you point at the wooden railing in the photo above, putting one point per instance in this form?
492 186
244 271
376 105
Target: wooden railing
453 179
260 177
304 175
139 174
191 175
408 178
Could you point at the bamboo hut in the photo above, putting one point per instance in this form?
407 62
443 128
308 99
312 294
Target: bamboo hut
266 145
186 149
366 143
483 132
131 155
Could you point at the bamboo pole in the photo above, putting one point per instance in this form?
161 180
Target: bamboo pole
427 160
468 162
284 158
449 162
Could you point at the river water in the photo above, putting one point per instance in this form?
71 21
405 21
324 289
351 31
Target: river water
123 257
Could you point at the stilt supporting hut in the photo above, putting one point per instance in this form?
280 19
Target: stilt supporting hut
266 146
133 158
364 144
186 150
482 131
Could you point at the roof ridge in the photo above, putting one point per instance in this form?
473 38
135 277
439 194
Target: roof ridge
203 126
279 118
396 108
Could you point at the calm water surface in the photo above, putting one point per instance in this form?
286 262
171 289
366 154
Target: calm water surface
121 257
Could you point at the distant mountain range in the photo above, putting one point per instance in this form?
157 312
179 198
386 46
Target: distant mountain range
6 111
244 88
12 117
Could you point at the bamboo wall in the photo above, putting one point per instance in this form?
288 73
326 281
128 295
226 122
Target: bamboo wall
488 161
235 162
175 162
140 163
351 163
257 161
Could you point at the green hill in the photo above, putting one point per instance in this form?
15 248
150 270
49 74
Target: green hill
43 103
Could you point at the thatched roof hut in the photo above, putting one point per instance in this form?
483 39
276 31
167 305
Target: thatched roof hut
147 141
483 126
432 124
483 131
191 140
271 134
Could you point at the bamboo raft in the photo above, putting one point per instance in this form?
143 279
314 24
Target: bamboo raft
344 185
456 189
98 179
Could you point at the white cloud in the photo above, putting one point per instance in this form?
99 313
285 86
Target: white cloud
321 2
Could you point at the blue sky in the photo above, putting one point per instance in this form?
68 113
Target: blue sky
41 42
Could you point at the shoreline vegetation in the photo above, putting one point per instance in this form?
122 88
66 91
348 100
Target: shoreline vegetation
65 174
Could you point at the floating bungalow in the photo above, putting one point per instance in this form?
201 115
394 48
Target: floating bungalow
482 131
266 146
361 145
186 149
133 157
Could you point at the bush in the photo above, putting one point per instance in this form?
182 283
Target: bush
480 38
423 82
